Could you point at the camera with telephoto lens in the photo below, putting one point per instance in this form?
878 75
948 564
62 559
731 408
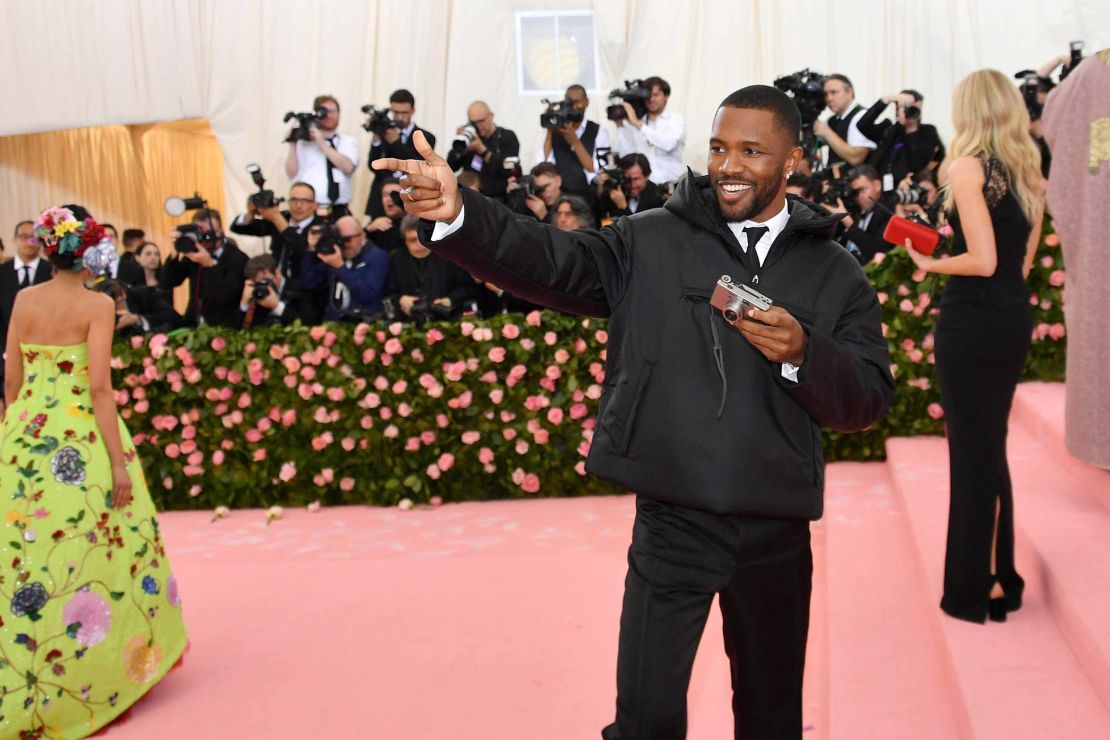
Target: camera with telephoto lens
912 194
807 89
305 121
263 198
834 188
559 113
262 288
378 120
635 93
736 300
191 237
463 139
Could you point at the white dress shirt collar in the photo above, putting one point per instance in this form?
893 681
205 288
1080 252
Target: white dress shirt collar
775 226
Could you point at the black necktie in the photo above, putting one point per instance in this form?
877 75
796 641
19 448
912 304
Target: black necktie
754 234
26 276
333 184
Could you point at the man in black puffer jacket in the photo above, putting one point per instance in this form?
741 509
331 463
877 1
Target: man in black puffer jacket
715 426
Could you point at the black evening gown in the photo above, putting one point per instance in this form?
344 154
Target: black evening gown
982 336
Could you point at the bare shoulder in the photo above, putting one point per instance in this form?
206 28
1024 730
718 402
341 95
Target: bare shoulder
967 171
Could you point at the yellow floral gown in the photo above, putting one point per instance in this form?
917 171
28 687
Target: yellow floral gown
90 617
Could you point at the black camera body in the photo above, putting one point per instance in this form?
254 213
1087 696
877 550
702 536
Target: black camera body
807 89
263 198
330 239
262 288
510 167
378 120
560 113
616 178
635 93
463 139
191 237
305 121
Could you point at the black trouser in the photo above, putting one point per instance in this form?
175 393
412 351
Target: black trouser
980 351
680 558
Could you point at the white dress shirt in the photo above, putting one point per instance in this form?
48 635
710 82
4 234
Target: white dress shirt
662 140
312 167
19 265
601 142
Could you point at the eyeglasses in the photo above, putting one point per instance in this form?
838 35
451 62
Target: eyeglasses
347 239
25 237
302 201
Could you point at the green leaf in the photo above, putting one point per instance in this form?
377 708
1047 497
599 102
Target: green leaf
15 545
116 595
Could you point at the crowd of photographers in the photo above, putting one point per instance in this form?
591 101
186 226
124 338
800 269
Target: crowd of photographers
324 264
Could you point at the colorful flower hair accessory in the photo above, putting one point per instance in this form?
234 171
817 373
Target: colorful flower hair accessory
59 232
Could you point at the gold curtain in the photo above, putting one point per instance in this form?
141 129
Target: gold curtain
122 174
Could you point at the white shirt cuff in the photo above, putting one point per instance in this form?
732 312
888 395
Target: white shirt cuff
443 229
790 372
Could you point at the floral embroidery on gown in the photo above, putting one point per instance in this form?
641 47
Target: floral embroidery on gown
90 616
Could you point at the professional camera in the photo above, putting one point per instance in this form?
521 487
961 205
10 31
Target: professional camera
330 239
616 179
263 198
559 113
914 194
425 310
262 288
807 89
305 121
463 139
834 187
510 167
1076 48
635 93
735 300
1030 86
378 120
190 237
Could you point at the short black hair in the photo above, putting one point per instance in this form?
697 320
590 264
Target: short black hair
107 226
654 80
629 161
916 95
16 232
579 88
208 214
130 235
402 96
112 288
303 184
765 97
864 170
257 264
841 78
580 208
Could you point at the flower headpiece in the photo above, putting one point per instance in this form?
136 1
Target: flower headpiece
59 232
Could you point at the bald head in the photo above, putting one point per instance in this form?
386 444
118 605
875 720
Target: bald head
352 235
481 116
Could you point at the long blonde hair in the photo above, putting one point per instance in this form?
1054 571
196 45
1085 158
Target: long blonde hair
991 120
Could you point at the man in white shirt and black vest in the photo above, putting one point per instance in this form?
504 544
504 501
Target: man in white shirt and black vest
327 160
660 135
27 268
841 131
572 147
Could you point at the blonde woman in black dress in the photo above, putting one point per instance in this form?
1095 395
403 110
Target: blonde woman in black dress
995 198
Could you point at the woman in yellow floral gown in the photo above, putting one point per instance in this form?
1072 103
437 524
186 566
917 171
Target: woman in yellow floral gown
90 617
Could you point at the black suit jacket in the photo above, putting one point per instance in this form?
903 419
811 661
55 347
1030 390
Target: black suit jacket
397 150
287 247
501 143
150 304
129 272
649 198
9 286
899 152
221 286
870 240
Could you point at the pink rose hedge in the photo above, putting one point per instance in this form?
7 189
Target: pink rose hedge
472 410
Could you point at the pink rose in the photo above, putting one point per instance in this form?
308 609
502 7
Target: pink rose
580 466
219 344
393 346
317 333
427 437
541 436
404 410
531 483
935 410
555 416
497 354
412 444
1056 279
433 336
366 422
1046 261
527 344
188 447
550 338
289 470
578 410
1056 331
1052 240
347 484
442 421
173 451
905 305
521 447
510 331
878 258
321 416
469 438
489 377
518 476
915 355
391 431
259 455
508 434
446 461
253 436
289 418
533 318
485 456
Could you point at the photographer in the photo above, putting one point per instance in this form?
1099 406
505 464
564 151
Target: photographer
213 265
571 146
350 268
1035 88
384 230
286 229
481 146
326 160
841 132
906 146
537 195
267 297
394 140
918 196
572 213
423 286
139 309
867 216
633 193
660 135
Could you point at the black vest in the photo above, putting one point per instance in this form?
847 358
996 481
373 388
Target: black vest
840 125
566 161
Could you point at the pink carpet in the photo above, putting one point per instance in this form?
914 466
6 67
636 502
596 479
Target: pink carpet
499 619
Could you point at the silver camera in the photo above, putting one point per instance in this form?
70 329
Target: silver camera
735 300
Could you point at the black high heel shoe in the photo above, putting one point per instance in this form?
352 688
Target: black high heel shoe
1013 588
996 609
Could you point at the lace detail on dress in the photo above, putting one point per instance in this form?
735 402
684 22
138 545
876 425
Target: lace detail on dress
998 182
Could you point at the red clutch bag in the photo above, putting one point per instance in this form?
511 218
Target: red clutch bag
922 238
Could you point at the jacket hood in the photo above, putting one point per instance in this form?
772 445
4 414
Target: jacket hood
695 201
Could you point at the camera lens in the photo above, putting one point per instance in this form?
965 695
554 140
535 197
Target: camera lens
733 310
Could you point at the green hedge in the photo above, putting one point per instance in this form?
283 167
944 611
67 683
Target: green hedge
475 410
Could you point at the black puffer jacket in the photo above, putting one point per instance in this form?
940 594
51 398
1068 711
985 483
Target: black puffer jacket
691 413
